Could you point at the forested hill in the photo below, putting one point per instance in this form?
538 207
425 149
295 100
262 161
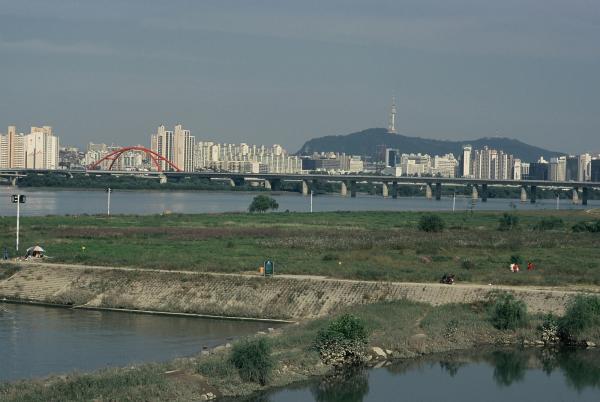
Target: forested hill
366 142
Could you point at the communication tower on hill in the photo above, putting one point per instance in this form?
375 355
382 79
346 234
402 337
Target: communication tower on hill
392 122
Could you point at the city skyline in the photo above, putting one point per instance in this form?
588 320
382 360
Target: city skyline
270 72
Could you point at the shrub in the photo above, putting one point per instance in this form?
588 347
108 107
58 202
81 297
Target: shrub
331 257
262 203
550 223
508 222
467 264
583 312
253 360
343 341
592 227
431 223
509 313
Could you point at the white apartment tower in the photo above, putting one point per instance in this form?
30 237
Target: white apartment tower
466 161
162 144
176 146
41 149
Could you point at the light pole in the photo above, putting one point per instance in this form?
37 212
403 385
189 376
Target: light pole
18 199
108 202
311 201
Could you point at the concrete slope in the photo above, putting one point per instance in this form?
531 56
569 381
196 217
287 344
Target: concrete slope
252 296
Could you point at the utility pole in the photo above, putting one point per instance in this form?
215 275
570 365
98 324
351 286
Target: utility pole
453 202
311 201
108 202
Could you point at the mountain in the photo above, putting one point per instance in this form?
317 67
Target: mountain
366 143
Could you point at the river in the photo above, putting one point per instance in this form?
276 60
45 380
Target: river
142 202
492 376
37 341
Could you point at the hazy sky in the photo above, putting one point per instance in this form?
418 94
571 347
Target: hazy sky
277 71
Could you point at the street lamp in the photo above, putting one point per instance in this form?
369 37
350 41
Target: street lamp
18 199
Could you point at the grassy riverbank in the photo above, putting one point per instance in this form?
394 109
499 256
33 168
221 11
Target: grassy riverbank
355 245
408 329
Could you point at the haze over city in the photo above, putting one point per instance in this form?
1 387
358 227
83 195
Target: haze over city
283 72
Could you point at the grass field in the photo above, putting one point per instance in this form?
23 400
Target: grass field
358 245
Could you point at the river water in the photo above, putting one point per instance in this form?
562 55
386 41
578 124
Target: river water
491 376
76 202
37 341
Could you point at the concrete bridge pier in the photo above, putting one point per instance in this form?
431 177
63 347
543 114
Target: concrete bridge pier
474 193
484 192
523 194
304 187
428 192
384 190
343 189
394 189
438 191
13 181
584 195
275 184
533 194
162 179
267 184
353 189
575 196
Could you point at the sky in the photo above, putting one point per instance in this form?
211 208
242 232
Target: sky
280 71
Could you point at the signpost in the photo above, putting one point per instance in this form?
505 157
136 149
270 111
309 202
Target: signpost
18 199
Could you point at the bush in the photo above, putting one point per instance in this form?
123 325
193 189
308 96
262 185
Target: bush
467 264
343 341
508 222
592 227
262 203
431 223
550 223
253 360
583 312
509 313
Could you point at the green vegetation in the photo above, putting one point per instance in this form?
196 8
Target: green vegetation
549 223
581 318
253 360
353 245
592 227
508 222
431 223
343 341
509 313
262 203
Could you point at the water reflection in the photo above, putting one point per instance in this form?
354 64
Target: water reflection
492 375
342 386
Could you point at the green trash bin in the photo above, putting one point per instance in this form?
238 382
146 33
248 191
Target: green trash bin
269 268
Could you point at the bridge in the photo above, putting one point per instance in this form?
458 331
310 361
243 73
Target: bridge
347 182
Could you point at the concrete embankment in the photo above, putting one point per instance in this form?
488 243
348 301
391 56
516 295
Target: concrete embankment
249 296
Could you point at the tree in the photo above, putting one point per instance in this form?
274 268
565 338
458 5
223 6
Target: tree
262 203
431 223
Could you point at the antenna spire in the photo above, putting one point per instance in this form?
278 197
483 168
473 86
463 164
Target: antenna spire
392 122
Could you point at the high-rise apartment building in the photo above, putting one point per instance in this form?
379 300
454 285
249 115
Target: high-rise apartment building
176 146
12 149
584 170
41 149
466 166
557 169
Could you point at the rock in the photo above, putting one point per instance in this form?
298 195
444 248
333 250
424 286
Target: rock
539 343
388 352
261 333
379 353
228 345
219 348
270 329
380 364
204 353
590 344
204 397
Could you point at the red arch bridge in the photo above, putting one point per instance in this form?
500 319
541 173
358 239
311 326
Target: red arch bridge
113 156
